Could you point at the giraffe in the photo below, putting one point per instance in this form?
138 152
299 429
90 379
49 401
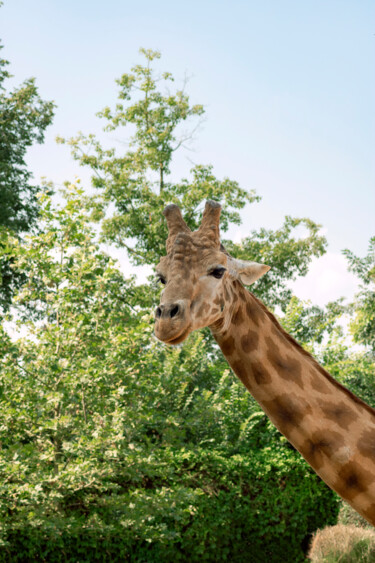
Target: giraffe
204 286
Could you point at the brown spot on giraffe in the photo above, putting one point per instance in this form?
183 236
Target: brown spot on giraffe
318 384
286 411
240 370
318 447
249 341
332 428
259 373
238 317
252 311
352 480
288 368
366 443
340 413
228 345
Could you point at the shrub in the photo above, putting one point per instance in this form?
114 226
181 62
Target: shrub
188 505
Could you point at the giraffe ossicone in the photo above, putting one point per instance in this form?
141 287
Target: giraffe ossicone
332 428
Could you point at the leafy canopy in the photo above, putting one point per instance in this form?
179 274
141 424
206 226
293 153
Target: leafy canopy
24 116
136 181
363 324
134 187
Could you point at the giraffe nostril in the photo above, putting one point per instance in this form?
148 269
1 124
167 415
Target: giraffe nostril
174 311
158 313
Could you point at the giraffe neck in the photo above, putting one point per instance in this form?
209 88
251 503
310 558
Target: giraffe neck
332 428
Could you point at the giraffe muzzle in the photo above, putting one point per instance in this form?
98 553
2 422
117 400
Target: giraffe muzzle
169 311
172 323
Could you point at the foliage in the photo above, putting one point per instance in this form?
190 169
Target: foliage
310 324
24 116
287 255
355 370
128 181
180 505
114 444
363 325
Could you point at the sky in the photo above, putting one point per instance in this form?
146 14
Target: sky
288 88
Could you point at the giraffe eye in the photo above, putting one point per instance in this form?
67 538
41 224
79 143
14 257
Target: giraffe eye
162 279
218 273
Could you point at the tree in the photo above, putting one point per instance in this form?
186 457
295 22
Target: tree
136 183
310 324
363 325
24 116
287 255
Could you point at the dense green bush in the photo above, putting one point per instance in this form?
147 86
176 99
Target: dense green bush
184 505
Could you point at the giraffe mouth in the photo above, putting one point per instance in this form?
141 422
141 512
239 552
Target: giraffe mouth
177 340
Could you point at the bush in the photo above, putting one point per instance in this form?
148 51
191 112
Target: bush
343 544
189 505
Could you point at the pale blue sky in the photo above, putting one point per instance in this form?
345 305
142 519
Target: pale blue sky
288 87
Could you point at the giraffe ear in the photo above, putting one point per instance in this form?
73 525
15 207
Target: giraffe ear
248 272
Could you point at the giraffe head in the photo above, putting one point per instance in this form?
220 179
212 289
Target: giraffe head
198 275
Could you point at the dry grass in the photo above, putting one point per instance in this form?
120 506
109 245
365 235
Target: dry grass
343 544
